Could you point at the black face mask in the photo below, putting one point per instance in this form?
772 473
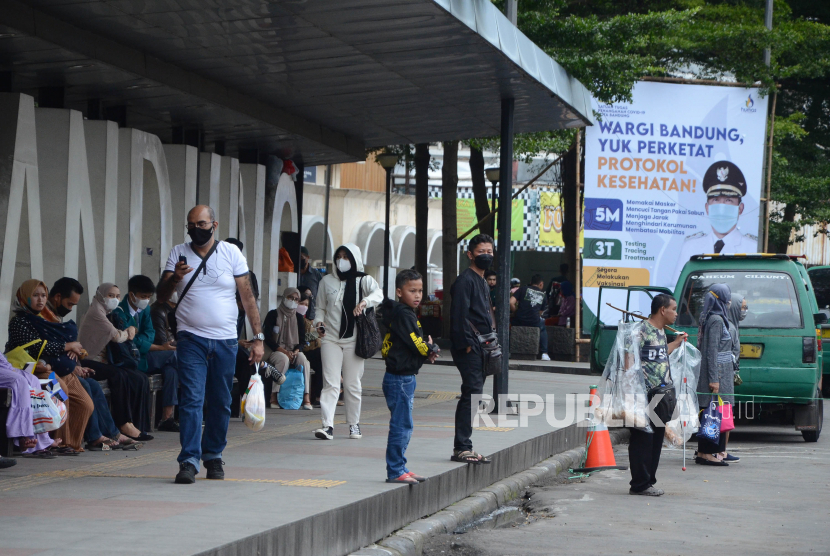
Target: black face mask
61 310
199 236
483 261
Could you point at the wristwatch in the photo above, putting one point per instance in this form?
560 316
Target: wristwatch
260 337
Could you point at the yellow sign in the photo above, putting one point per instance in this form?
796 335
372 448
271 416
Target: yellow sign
466 217
596 276
751 351
550 221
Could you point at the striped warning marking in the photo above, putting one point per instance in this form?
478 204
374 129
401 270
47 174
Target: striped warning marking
441 396
108 468
317 483
417 425
314 483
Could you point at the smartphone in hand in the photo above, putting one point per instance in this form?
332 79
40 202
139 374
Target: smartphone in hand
182 259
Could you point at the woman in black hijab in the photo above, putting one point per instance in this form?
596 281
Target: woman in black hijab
341 297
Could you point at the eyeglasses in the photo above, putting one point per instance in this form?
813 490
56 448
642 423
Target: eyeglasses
200 224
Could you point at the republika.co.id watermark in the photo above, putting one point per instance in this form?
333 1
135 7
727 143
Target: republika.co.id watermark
583 409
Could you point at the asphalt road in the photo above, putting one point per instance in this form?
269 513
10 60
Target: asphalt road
776 500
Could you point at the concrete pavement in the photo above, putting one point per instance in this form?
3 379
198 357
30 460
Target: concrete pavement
539 366
775 501
285 492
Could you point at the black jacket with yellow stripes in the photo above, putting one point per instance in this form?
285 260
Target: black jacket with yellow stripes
404 346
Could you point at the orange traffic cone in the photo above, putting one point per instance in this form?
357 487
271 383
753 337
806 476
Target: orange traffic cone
600 454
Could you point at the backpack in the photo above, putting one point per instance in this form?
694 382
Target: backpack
291 391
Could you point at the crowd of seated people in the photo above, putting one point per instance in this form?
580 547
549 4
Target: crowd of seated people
115 342
124 339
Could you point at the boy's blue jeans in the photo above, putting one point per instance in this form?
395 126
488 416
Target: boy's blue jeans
206 369
399 391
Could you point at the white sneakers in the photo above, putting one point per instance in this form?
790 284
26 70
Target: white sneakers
327 433
545 357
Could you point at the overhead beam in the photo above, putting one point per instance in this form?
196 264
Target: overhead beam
36 23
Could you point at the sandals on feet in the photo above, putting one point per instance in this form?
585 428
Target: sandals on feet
128 444
469 456
704 461
65 451
416 477
406 479
39 454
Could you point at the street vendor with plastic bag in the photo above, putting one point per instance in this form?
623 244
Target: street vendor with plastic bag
649 350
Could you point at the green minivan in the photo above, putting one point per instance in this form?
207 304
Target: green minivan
820 278
781 347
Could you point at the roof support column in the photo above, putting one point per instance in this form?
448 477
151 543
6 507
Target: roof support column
299 185
386 232
422 211
326 219
500 382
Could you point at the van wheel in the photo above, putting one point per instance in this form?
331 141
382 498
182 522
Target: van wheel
812 436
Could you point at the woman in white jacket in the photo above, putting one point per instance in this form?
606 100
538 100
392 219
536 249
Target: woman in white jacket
342 296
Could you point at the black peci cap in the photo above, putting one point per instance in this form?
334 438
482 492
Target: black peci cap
724 178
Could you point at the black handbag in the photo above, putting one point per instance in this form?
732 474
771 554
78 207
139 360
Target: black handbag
171 315
490 350
664 409
368 340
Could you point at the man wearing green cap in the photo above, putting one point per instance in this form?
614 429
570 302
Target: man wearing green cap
725 186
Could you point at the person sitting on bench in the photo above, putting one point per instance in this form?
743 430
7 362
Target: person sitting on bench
527 305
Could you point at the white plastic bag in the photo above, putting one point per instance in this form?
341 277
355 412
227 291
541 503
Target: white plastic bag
625 402
253 403
46 416
685 369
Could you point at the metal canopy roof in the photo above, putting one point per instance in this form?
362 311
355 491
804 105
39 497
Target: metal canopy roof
318 80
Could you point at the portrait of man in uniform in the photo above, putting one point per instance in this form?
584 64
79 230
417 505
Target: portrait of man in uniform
725 187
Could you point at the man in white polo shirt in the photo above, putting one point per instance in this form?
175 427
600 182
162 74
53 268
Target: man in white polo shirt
207 338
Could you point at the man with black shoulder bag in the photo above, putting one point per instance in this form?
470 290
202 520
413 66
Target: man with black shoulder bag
644 448
472 334
206 274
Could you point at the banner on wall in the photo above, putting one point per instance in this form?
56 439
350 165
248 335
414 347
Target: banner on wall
676 172
466 214
551 220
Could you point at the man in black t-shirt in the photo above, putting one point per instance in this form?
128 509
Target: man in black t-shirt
527 305
470 311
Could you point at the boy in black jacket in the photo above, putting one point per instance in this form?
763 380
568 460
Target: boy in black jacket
405 351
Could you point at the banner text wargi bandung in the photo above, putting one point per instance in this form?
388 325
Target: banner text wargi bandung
676 172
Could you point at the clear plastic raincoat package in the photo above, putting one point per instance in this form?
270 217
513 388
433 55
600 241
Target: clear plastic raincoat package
684 363
624 403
